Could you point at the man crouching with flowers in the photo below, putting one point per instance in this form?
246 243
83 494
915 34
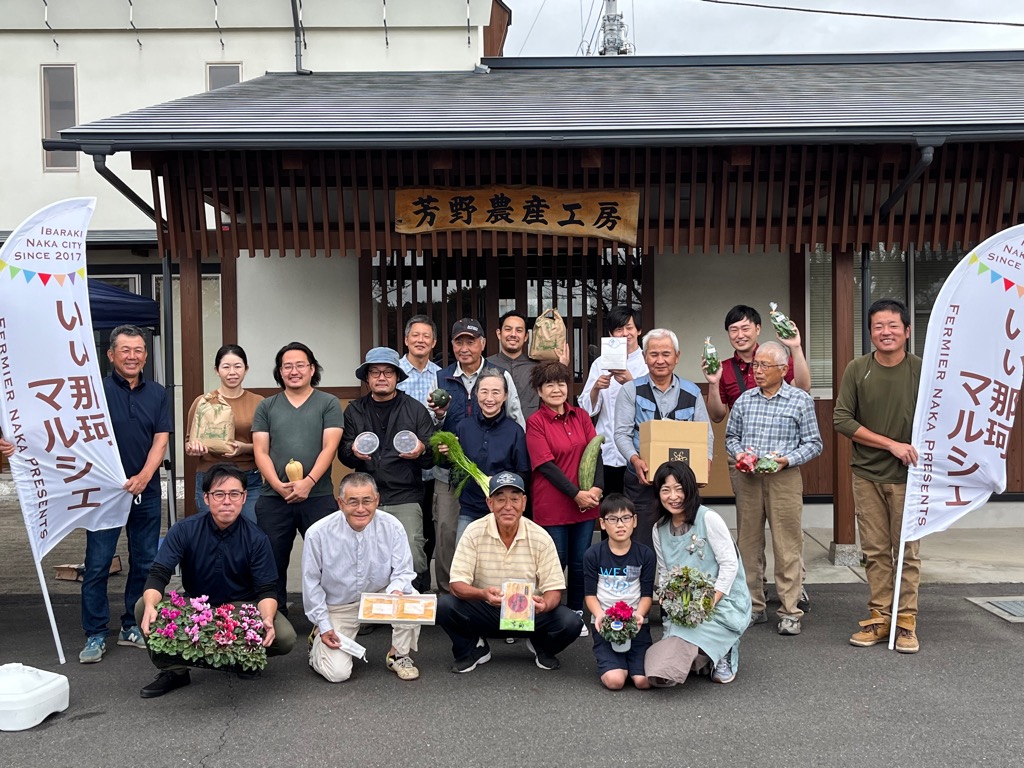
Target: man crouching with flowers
226 566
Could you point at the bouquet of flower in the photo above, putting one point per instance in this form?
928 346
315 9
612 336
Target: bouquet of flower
687 596
199 634
619 624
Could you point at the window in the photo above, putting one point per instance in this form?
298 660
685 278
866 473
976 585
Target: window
59 112
888 280
220 75
931 268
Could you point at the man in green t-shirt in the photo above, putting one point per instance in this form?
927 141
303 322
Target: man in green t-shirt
304 424
875 409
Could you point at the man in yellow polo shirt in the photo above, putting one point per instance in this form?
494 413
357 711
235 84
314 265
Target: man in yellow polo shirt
494 549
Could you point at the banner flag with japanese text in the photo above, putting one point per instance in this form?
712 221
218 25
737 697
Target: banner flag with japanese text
971 374
66 467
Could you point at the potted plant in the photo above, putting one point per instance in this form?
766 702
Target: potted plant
619 626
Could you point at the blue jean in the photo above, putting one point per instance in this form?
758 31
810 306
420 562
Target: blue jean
571 541
143 530
253 487
464 521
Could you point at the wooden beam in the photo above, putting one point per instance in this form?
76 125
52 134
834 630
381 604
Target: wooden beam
843 523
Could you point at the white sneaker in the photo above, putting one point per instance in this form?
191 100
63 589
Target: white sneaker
583 632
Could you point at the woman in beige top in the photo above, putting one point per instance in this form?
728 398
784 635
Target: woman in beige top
231 365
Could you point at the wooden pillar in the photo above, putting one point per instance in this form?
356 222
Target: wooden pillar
843 549
190 268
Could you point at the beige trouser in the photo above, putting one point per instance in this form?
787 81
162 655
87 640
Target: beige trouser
777 498
879 508
446 526
336 665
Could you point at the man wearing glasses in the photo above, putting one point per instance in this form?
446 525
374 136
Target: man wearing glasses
221 555
402 428
773 421
304 424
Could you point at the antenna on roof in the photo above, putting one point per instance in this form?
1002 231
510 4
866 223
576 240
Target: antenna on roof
614 31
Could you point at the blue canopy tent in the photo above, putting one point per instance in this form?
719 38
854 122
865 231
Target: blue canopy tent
112 306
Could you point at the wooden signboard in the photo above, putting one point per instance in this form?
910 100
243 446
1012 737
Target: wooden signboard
610 214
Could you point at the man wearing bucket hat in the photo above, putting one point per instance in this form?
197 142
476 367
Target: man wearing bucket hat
496 549
386 436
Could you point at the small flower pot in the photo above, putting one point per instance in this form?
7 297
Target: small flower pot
622 647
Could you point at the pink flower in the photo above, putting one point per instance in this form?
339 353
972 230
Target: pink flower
177 600
200 603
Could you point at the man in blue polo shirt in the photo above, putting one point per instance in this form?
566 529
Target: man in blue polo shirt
224 556
141 420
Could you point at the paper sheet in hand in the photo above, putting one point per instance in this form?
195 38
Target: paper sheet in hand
613 353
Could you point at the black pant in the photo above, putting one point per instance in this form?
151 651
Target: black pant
422 581
280 520
466 621
613 479
647 508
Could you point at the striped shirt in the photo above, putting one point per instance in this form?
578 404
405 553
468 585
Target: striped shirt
482 560
783 424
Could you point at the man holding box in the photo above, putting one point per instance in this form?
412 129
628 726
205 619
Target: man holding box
776 424
358 549
658 395
496 549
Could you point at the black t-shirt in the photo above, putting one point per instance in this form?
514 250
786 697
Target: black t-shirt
380 414
612 577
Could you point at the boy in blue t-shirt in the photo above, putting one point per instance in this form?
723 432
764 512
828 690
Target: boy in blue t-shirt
615 569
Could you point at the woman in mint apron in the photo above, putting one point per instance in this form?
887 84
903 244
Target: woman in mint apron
688 533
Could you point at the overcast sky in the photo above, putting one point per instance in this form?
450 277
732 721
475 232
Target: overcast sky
681 27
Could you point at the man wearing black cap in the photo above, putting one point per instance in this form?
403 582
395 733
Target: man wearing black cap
458 380
500 547
397 469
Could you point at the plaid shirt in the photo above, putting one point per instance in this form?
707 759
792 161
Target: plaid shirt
418 386
784 424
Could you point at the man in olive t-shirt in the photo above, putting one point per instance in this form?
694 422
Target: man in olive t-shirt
875 409
304 424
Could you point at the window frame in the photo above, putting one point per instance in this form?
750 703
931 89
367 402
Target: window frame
210 65
46 127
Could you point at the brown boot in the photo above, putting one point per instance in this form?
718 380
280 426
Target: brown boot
906 633
875 630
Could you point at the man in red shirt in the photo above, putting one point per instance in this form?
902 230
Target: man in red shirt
743 324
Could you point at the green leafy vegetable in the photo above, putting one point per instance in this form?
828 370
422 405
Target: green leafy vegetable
462 467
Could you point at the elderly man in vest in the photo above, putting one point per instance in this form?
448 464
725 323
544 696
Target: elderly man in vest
658 395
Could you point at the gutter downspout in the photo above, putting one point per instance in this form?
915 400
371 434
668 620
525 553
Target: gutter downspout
927 154
100 163
297 25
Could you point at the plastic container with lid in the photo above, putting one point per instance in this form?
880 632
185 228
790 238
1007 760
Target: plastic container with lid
405 441
366 443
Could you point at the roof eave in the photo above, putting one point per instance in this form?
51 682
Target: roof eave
110 143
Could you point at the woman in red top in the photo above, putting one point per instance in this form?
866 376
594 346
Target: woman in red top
556 436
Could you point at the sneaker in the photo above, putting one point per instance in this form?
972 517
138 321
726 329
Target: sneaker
583 632
804 603
365 629
510 641
789 626
132 637
94 649
544 660
312 636
403 667
873 631
759 618
165 683
723 671
481 655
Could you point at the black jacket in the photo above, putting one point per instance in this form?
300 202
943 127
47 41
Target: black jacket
400 481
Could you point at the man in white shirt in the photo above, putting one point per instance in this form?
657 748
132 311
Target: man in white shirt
357 549
603 385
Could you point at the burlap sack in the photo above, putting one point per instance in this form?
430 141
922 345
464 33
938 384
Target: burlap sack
214 423
548 336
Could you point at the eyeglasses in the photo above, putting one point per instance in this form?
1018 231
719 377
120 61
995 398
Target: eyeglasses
381 373
221 495
620 519
755 365
294 367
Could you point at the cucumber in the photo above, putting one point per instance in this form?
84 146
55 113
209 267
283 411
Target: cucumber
588 463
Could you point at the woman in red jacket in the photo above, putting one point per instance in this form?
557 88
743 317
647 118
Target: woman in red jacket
556 436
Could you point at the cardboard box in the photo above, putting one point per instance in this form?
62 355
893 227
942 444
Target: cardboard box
72 572
665 440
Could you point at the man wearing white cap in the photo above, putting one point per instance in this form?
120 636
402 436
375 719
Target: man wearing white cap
386 436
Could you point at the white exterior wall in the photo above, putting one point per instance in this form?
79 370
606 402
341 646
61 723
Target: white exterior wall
114 75
693 291
315 301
